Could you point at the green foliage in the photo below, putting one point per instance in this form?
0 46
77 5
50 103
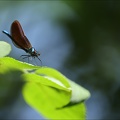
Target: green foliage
10 87
45 89
5 48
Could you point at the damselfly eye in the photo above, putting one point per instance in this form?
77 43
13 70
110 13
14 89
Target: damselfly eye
33 49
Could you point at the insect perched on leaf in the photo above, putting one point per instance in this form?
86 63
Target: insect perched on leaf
20 40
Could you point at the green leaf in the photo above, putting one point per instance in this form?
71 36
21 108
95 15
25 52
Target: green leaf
7 63
78 93
48 91
54 95
5 49
48 101
53 74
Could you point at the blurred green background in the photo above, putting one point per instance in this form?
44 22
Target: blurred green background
79 38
